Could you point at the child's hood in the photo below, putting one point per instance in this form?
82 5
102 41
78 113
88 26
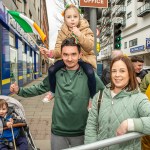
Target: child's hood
83 24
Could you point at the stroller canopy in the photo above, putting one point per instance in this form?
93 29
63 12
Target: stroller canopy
12 102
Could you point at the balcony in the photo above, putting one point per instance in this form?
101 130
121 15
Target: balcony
101 21
121 11
113 2
118 2
143 10
108 22
123 22
108 32
107 12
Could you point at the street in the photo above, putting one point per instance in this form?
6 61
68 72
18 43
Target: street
38 116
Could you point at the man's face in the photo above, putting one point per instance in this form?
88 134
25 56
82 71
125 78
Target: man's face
137 66
70 55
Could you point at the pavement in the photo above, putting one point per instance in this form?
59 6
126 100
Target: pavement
38 115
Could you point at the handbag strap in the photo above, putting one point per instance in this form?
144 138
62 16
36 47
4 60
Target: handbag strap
99 101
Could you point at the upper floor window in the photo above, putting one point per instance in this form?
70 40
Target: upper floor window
125 44
133 42
129 15
128 2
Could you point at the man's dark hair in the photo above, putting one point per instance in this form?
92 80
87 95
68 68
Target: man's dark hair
70 42
137 59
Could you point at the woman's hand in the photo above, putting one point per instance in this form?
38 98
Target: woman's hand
123 128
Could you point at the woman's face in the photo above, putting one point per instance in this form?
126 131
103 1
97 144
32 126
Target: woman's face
119 75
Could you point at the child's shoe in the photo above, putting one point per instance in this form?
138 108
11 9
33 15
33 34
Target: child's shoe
48 97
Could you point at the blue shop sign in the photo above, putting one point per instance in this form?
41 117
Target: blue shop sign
137 49
148 43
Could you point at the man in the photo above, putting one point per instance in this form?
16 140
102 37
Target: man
106 72
138 65
71 98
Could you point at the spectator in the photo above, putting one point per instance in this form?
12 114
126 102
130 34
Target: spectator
106 72
123 108
77 27
144 88
71 98
138 63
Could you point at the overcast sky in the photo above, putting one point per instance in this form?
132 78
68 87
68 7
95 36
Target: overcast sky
53 28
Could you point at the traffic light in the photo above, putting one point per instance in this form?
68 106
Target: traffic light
117 35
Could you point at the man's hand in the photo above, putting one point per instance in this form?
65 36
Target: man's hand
14 88
10 123
76 31
123 128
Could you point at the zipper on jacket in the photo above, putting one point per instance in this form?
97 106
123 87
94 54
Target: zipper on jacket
109 120
112 101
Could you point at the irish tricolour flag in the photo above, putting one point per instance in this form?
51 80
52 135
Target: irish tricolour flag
27 24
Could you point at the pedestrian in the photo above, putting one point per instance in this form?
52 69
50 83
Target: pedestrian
71 98
138 63
145 88
106 72
123 108
8 118
77 27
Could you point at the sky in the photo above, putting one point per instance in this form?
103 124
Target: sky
53 28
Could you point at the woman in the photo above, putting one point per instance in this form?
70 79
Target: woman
123 108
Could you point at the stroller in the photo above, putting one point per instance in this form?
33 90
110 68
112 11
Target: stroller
19 110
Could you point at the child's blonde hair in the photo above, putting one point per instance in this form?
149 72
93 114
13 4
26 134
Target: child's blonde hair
2 103
69 7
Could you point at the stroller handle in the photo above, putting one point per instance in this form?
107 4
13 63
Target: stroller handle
16 125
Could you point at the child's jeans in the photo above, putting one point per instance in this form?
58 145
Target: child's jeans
21 143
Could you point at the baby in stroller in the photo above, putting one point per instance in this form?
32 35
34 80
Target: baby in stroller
13 126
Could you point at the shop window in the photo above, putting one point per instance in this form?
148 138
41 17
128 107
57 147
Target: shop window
128 2
13 65
11 40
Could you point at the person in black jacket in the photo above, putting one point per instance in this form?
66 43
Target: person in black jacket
106 72
138 63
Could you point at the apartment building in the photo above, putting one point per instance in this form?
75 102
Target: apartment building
134 16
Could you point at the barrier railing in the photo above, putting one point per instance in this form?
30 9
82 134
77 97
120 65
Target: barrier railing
108 142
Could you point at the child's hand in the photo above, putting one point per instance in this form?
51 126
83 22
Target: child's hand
76 31
45 52
10 123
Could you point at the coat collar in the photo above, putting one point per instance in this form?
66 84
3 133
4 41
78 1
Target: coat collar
83 24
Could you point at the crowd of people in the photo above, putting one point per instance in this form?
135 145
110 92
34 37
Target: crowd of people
73 82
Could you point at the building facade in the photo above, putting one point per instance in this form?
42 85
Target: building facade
134 16
20 59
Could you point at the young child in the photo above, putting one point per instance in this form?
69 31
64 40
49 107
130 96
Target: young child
8 118
78 28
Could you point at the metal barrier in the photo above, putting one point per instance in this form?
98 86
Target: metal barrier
107 142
